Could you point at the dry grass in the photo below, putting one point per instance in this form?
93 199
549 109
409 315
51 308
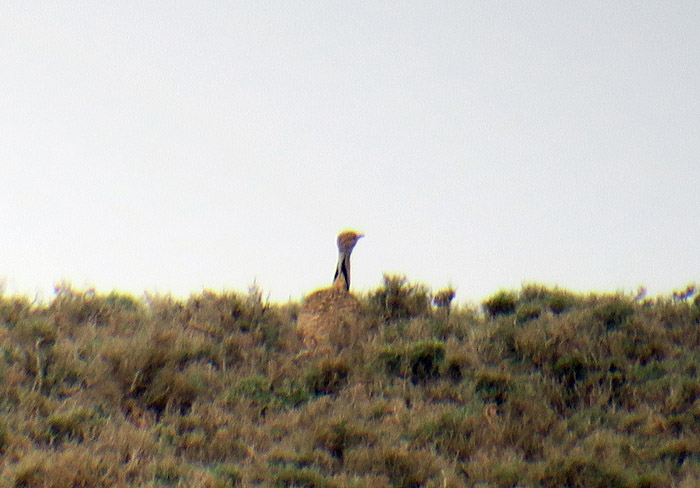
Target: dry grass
544 388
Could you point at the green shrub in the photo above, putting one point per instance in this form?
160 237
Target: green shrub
14 309
508 476
527 312
339 435
121 301
455 367
641 342
425 359
680 450
561 301
391 361
35 332
230 474
74 307
614 312
70 425
451 431
534 343
407 469
230 311
263 395
172 388
421 361
443 298
398 300
30 471
570 370
502 342
526 419
502 303
256 388
493 387
334 439
533 292
328 378
169 472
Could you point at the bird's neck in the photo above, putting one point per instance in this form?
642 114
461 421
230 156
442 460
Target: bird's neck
341 280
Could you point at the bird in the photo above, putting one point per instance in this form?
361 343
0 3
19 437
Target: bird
331 310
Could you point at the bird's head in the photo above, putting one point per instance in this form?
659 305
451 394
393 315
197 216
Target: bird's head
347 240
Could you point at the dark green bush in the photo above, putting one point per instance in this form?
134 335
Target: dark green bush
452 432
407 469
561 301
329 377
421 361
65 426
337 436
527 312
397 299
502 303
570 370
392 361
121 302
229 311
230 474
614 312
533 292
456 367
443 298
425 359
493 387
680 450
258 391
13 309
169 472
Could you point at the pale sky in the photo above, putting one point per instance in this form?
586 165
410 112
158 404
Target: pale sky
175 146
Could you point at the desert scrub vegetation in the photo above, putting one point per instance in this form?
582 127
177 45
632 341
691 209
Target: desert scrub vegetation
538 387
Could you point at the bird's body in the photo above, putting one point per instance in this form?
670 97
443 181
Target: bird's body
331 309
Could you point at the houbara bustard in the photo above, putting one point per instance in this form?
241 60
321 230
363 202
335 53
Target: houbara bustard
331 310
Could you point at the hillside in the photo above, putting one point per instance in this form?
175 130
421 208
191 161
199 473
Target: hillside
537 388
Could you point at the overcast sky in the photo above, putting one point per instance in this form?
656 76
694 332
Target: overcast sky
175 146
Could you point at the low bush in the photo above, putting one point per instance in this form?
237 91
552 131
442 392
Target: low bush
502 303
398 299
